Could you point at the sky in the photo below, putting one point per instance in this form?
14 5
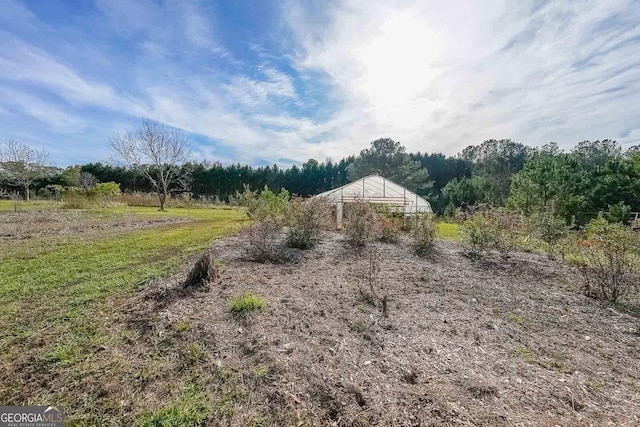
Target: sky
284 81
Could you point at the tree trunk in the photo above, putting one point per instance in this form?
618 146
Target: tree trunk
26 192
163 198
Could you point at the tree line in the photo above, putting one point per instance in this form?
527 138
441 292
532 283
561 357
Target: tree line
576 184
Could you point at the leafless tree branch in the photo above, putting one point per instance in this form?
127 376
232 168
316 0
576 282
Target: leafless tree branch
154 149
22 164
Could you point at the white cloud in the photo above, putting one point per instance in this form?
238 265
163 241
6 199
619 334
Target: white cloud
436 76
43 111
258 93
439 76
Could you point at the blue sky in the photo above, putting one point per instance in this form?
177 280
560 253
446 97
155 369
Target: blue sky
264 82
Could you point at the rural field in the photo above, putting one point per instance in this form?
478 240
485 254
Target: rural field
95 317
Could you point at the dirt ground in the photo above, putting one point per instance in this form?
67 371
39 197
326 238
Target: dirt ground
466 342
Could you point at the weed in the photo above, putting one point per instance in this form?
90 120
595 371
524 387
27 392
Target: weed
194 352
423 234
247 303
225 405
594 385
261 371
181 326
258 422
514 318
528 355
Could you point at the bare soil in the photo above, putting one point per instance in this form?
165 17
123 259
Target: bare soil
487 342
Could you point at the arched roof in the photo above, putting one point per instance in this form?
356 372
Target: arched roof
378 189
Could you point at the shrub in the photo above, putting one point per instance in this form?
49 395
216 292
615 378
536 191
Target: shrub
203 273
77 201
306 220
107 189
266 205
608 262
476 234
619 213
390 229
505 230
492 229
424 234
262 241
550 229
360 223
246 303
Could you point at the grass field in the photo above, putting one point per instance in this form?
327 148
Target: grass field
448 231
61 293
63 285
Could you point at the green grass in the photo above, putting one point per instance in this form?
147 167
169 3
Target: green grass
191 409
21 205
246 303
517 319
448 231
62 294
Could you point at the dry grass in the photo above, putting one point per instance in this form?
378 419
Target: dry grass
488 343
35 223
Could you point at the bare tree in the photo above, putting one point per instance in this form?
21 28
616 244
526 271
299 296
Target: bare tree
22 164
87 181
156 150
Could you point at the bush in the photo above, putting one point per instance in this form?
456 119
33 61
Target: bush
550 229
476 234
266 205
361 221
246 303
203 273
619 213
424 234
489 229
262 241
107 189
306 220
608 260
390 229
506 229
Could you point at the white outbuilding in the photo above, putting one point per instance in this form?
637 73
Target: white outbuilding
377 189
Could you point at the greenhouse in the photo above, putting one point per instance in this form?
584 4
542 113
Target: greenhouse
379 190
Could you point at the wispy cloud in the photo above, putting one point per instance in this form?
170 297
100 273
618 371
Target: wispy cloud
321 79
440 76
